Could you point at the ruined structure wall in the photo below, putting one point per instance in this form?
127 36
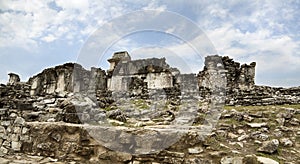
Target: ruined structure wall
188 82
62 79
159 80
52 80
153 80
155 72
237 76
117 83
141 66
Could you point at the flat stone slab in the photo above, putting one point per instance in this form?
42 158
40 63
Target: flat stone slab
257 125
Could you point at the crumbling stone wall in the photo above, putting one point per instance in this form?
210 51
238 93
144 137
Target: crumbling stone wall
237 76
52 80
67 78
144 78
264 95
155 72
13 132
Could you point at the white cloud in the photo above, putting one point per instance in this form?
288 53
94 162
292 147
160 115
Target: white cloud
24 23
153 5
49 38
81 5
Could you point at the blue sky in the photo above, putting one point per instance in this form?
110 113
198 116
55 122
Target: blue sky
37 34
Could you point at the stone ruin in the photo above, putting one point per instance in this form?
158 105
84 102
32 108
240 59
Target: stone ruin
43 116
139 77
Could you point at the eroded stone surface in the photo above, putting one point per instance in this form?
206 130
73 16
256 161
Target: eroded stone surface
44 120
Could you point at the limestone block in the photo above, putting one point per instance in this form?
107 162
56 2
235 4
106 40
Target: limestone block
16 146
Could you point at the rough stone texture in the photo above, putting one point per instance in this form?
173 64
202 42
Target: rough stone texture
269 146
237 76
46 119
59 80
265 160
71 142
240 85
156 73
13 79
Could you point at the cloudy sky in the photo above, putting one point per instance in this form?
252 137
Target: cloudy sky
36 34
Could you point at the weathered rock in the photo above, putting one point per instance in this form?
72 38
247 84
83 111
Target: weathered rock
286 142
195 150
250 159
269 146
243 137
257 125
13 79
259 136
19 121
3 160
117 115
265 160
16 146
231 160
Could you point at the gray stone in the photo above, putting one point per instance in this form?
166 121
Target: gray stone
25 130
115 122
259 135
6 144
25 138
294 122
2 129
3 151
13 115
231 160
8 129
232 135
16 146
269 146
257 125
243 137
14 137
5 123
17 130
85 117
19 121
3 160
286 142
250 159
280 121
49 101
100 117
195 150
265 160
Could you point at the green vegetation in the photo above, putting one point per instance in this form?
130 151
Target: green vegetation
109 108
140 104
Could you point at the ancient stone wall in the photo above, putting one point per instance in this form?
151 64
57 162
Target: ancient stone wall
237 76
264 95
67 78
155 72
